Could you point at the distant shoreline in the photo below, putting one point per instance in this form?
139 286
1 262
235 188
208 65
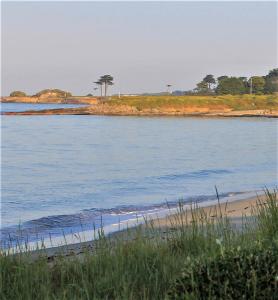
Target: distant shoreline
99 110
50 100
183 106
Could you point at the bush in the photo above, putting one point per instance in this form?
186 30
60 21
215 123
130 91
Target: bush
17 94
231 85
237 274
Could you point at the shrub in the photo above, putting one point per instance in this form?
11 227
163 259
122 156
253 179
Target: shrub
17 94
237 274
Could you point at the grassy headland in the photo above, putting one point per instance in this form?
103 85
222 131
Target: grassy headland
201 257
238 102
224 105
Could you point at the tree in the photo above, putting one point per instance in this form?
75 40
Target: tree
202 87
273 73
17 94
258 84
107 80
271 82
221 78
231 85
245 82
99 83
209 79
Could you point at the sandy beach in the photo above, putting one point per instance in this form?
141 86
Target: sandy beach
238 212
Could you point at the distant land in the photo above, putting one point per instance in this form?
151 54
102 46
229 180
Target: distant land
166 105
222 96
49 96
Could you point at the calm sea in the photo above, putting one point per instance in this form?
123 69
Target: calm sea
66 174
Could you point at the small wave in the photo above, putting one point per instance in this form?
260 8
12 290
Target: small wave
57 225
198 174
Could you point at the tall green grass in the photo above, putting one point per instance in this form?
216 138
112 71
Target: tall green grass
234 102
202 258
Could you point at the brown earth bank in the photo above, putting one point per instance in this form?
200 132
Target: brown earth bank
127 110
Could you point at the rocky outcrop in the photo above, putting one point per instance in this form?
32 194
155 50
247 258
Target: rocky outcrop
52 99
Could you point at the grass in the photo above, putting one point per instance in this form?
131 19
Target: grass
238 102
201 259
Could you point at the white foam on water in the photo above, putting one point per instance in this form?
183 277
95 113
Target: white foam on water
91 235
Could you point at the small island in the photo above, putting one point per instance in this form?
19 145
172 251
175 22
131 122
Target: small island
48 96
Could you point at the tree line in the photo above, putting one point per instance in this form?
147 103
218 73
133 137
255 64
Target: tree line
267 84
239 85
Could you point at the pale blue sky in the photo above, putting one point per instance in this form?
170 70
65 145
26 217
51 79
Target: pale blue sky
144 45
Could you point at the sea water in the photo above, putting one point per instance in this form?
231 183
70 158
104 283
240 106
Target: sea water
64 175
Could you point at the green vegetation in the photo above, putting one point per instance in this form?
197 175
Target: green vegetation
105 80
209 79
17 94
202 259
257 85
239 102
239 85
224 85
231 85
53 93
271 81
236 274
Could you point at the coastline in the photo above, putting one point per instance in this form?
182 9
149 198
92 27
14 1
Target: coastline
164 105
238 211
107 110
235 210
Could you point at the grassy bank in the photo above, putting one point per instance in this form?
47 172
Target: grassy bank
238 102
201 259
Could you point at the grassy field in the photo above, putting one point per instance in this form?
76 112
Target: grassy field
201 260
239 102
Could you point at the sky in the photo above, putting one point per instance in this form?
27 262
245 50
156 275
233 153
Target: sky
143 45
